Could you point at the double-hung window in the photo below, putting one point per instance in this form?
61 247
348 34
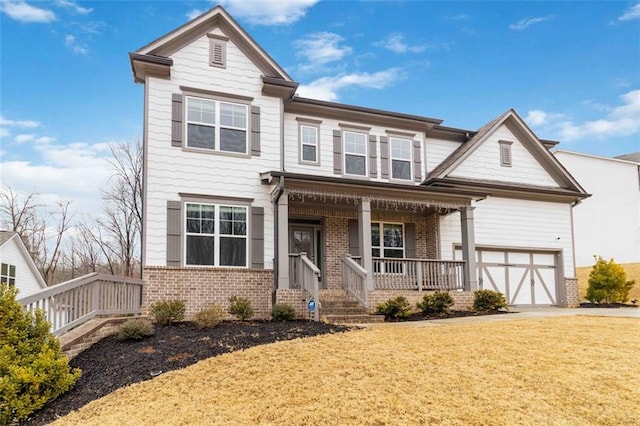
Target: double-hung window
308 144
216 235
387 242
8 274
355 153
400 158
217 125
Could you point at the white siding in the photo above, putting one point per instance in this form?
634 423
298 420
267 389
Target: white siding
26 280
508 222
484 163
173 170
607 223
438 150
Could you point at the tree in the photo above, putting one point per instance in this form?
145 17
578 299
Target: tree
608 282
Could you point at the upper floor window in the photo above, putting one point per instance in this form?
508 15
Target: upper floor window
400 158
216 235
308 143
355 153
505 153
8 274
217 125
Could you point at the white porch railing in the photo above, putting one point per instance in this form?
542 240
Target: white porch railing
417 274
305 275
74 302
354 280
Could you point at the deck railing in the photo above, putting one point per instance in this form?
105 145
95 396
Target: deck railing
71 303
417 274
303 274
354 280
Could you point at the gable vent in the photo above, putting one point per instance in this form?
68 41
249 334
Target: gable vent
217 50
505 153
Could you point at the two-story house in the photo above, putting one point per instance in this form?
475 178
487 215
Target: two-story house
253 191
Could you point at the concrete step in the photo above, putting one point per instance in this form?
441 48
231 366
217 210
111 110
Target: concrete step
354 319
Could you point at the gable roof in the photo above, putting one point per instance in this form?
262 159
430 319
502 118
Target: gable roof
634 156
5 237
158 51
524 134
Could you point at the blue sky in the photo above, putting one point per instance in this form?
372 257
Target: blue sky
571 69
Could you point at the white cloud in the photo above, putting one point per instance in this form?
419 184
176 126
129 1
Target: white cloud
4 132
632 13
18 123
621 120
268 12
395 43
326 88
23 12
23 138
319 49
76 47
73 6
527 22
194 14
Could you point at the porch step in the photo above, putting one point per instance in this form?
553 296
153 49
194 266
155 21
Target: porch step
354 319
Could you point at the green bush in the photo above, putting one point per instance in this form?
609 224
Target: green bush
166 312
436 303
135 329
608 282
283 312
394 308
33 368
488 300
210 316
240 308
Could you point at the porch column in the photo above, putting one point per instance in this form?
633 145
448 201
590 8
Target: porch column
282 240
468 249
364 234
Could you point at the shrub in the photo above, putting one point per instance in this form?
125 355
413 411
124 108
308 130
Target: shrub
436 303
33 368
608 282
240 308
394 308
209 317
135 329
166 312
283 312
488 300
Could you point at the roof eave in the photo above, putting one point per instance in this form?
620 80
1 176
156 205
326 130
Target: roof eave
149 65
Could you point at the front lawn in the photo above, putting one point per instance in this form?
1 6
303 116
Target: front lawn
564 370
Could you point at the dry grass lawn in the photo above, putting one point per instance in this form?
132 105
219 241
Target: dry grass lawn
633 273
561 371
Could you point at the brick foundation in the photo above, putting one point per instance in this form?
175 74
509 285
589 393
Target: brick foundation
200 287
571 287
83 337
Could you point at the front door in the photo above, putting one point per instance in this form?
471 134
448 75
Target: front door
307 239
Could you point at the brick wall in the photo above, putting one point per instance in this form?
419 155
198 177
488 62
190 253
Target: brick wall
571 288
83 337
200 287
463 300
336 246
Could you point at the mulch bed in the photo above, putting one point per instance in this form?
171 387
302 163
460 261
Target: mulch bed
419 316
606 305
111 364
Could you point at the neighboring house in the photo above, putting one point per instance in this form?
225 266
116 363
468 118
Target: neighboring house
241 176
17 267
608 223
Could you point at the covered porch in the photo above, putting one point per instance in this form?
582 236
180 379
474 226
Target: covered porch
366 237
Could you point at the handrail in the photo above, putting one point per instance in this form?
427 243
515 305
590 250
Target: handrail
74 302
418 274
306 275
354 279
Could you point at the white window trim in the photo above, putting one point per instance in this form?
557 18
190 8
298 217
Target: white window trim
8 278
365 155
391 158
381 247
216 235
217 126
302 144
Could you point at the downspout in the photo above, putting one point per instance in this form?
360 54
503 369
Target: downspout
276 270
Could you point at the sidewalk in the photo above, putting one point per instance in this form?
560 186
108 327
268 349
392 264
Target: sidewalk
518 314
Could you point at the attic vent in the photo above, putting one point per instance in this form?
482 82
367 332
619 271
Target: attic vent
217 51
505 153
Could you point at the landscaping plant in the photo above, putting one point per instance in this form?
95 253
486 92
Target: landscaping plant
240 308
488 300
209 317
33 368
436 303
135 329
166 312
283 312
608 282
394 308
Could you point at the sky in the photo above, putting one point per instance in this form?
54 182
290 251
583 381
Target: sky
570 69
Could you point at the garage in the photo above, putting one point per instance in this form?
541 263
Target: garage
525 277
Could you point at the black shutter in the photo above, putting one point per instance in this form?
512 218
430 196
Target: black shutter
417 162
257 237
384 157
373 156
337 152
174 233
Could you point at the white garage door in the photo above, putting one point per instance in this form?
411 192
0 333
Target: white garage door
524 277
